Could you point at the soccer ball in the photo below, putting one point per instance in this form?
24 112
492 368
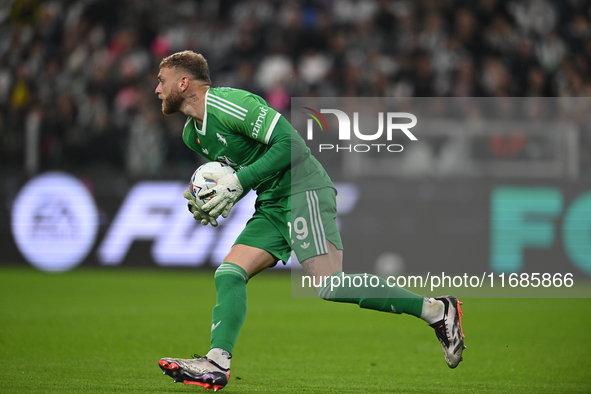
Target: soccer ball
200 184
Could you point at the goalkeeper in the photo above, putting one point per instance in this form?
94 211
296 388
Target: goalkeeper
293 190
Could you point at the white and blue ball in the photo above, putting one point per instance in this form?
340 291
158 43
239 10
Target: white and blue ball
200 184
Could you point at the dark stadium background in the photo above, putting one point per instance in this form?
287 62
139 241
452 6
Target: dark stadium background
77 82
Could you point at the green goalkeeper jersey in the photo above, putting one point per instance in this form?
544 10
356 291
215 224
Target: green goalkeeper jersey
240 129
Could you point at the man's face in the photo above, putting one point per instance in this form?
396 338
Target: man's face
168 91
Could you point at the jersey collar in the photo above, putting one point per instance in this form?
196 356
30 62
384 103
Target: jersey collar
204 125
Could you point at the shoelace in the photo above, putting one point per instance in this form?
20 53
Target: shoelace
460 313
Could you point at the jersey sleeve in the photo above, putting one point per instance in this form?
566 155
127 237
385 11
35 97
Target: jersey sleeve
284 149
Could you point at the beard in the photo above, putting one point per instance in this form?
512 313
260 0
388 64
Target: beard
172 104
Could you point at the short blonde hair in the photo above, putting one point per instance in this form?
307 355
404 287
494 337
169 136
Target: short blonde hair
190 62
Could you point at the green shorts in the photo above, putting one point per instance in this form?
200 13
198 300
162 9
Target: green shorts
314 214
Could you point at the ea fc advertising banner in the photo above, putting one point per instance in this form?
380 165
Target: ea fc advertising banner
472 194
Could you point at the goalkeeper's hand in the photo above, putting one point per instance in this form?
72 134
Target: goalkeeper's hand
225 194
197 212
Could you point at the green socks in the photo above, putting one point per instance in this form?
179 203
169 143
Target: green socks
230 310
370 292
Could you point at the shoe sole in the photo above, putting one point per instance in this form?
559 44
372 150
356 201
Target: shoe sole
178 374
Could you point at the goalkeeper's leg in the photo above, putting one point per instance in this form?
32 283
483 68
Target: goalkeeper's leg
442 313
213 370
381 298
243 262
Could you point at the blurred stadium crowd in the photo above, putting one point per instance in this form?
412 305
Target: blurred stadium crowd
83 72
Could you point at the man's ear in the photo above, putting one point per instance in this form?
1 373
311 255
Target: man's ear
183 84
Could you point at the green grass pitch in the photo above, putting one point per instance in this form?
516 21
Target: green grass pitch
103 331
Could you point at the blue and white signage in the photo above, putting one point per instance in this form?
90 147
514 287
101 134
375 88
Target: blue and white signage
54 221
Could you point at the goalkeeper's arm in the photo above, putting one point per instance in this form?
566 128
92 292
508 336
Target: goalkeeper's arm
285 147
